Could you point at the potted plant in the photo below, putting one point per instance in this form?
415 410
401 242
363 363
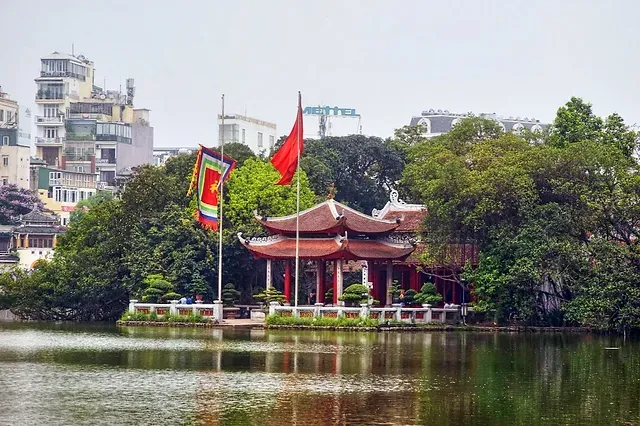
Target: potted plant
269 295
409 297
428 295
229 297
394 291
355 294
328 296
158 289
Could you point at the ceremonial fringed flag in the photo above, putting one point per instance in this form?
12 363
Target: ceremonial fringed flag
285 160
209 173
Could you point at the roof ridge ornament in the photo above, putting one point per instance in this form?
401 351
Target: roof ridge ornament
332 192
394 197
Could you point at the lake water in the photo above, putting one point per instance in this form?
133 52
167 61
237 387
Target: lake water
88 374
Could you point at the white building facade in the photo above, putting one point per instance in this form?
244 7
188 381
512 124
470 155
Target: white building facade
438 122
257 134
14 155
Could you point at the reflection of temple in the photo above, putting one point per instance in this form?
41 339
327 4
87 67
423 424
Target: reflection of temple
332 234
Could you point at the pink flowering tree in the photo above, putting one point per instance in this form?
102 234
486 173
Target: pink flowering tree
16 201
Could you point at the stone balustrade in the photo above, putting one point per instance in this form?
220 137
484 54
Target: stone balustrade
397 313
214 310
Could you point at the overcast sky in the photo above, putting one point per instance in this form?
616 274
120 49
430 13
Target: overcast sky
388 59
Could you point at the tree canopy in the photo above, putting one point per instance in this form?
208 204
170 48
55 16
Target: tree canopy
542 214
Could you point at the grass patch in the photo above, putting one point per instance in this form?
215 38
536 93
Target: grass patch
153 317
321 321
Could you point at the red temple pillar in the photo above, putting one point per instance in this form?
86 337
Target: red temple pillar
413 279
335 282
287 281
371 279
454 292
321 271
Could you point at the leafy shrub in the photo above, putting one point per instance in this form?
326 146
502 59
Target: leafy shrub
157 289
428 295
321 321
230 295
355 294
270 295
409 296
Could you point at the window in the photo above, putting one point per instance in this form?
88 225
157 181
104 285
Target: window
271 141
51 132
9 117
1 115
5 181
259 140
5 160
243 136
5 140
51 111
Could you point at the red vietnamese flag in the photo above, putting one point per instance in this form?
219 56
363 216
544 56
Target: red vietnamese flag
285 160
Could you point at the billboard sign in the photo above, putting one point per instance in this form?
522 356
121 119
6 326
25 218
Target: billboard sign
336 111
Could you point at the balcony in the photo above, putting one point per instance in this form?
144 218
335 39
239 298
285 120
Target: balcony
62 74
49 121
48 141
113 138
49 95
106 161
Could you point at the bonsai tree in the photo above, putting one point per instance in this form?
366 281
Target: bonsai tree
157 289
230 295
269 295
409 296
355 294
328 296
394 291
428 295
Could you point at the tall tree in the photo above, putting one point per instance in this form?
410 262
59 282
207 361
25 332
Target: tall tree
364 169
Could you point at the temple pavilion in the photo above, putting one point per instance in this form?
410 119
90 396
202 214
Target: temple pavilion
332 234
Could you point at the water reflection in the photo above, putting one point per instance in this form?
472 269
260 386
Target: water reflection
105 375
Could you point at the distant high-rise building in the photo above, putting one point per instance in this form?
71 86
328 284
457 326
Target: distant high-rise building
14 150
258 135
83 128
438 122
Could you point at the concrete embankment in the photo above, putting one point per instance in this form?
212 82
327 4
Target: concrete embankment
7 315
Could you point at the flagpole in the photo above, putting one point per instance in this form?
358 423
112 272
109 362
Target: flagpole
298 202
220 210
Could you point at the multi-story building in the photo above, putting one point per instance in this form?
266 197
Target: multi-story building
60 190
258 135
161 155
87 129
14 156
438 122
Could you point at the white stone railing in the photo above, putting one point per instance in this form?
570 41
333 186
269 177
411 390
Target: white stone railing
396 313
214 310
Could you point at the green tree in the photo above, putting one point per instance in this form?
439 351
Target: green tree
85 205
237 151
251 189
530 209
364 169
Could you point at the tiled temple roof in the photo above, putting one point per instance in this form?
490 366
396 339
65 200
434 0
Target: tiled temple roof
282 247
330 217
